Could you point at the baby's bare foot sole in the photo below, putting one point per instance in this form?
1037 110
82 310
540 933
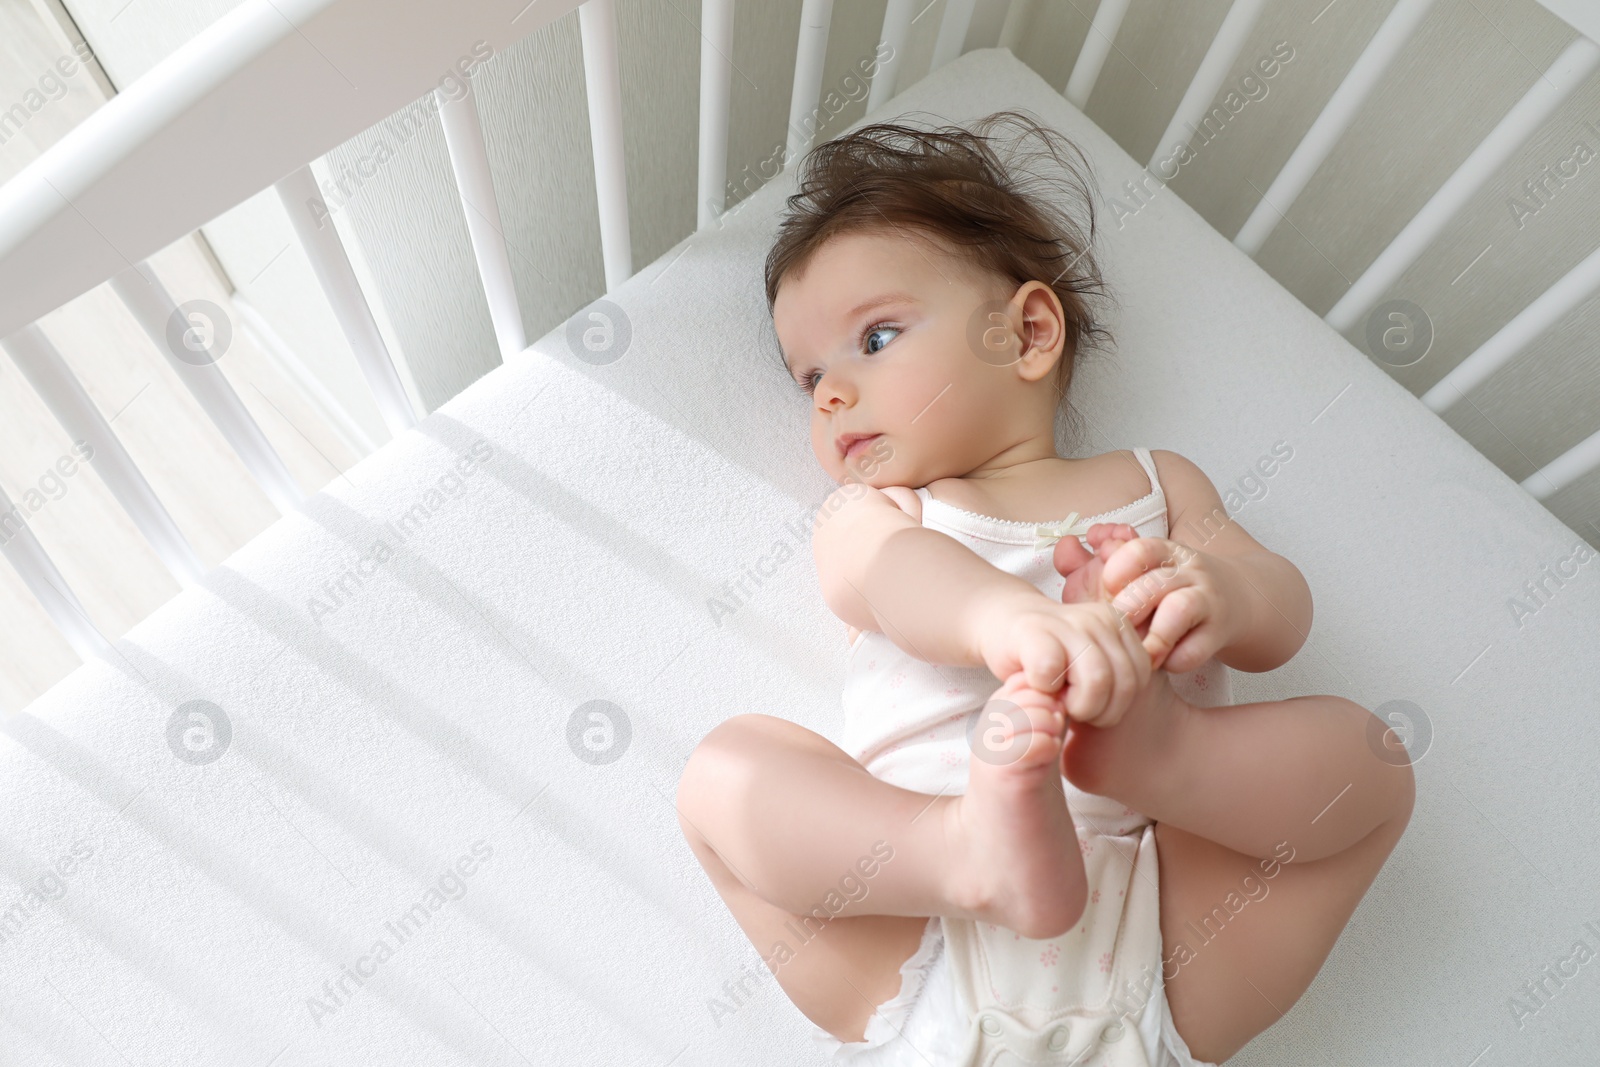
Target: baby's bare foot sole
1015 832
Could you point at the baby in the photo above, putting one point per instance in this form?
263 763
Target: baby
1036 707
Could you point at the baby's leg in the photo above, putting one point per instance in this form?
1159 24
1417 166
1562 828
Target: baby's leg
832 873
1272 820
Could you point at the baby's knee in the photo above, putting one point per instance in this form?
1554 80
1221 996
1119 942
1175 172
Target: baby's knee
723 755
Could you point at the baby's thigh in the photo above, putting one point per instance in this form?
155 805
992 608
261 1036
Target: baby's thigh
836 972
1246 944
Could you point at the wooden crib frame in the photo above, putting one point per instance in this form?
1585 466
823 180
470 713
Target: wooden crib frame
277 83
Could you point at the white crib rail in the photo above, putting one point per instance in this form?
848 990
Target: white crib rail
603 80
312 225
716 96
158 313
1336 116
469 161
277 83
265 89
1577 62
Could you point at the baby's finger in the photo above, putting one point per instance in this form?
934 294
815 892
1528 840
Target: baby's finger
1130 561
1177 614
1138 655
1194 649
1089 679
1137 599
1124 671
1043 661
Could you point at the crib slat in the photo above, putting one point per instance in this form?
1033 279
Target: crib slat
1336 116
716 94
1019 16
332 411
952 32
892 46
1096 46
810 52
1225 46
597 24
38 572
152 305
1547 92
304 203
267 86
469 159
1579 460
61 391
1576 286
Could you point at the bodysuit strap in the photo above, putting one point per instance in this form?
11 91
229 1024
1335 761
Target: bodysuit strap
1148 462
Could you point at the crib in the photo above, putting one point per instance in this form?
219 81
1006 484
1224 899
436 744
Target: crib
458 689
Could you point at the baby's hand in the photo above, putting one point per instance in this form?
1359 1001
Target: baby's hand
1186 604
1090 648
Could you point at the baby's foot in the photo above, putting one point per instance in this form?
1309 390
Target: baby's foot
1082 568
1018 842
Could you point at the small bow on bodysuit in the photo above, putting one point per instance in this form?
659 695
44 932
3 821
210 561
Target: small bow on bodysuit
1047 534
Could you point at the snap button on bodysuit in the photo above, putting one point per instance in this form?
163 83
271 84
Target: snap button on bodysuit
1058 1038
1112 1032
990 1024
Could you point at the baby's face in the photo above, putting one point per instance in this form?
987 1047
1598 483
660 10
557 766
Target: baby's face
898 339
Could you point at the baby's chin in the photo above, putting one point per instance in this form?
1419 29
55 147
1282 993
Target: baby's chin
877 478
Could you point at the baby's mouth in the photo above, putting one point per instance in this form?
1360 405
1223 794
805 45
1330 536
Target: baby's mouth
860 445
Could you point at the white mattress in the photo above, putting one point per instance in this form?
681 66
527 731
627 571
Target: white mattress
583 560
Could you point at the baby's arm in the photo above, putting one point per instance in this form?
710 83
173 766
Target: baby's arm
1268 601
941 602
874 561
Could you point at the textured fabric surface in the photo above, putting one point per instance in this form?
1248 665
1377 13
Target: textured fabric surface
426 673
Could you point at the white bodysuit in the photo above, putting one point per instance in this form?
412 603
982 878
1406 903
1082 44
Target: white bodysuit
981 993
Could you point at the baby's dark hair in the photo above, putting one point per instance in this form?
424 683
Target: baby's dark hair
950 184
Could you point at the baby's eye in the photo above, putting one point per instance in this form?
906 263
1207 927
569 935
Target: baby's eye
873 330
